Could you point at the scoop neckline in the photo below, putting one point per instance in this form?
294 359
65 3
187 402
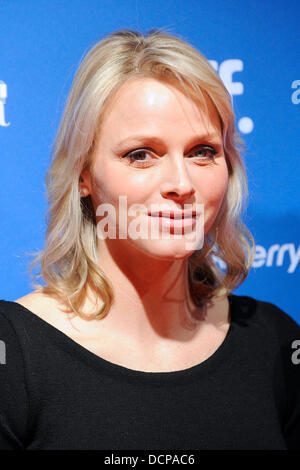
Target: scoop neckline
117 370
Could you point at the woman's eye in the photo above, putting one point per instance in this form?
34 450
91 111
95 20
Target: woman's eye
138 157
205 151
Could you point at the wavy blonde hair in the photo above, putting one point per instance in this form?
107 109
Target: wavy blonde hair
68 262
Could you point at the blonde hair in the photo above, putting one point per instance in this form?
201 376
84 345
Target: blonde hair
68 262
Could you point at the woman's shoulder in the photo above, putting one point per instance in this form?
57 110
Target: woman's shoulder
28 311
255 312
34 304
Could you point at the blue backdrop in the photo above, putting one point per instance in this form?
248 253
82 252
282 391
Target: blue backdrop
255 47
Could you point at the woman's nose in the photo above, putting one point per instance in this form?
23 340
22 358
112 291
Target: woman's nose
177 182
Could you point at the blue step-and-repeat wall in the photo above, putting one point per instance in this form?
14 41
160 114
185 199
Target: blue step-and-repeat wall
255 47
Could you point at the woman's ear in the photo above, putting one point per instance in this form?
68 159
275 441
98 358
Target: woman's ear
85 183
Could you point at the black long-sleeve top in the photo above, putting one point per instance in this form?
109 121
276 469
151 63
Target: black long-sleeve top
56 394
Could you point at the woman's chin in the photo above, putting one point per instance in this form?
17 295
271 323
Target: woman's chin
172 249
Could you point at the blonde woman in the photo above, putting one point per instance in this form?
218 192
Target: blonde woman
134 339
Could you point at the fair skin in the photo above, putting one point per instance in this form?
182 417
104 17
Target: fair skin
149 320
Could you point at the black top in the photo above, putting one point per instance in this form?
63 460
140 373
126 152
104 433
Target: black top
55 394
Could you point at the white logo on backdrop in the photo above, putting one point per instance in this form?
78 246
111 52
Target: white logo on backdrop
296 94
275 255
226 69
3 96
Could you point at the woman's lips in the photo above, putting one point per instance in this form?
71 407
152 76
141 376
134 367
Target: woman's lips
171 214
176 225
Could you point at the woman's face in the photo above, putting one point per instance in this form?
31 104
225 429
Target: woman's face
178 160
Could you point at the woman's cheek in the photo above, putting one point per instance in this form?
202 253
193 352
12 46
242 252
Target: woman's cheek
213 194
139 187
135 188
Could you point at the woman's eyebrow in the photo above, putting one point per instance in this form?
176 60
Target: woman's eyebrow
210 136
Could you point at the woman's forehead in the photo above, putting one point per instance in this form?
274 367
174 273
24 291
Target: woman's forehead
149 102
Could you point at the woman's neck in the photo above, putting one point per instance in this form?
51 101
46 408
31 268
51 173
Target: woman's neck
152 302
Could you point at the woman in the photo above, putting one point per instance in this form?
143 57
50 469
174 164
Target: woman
136 342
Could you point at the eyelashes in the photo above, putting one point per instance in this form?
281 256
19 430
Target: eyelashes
207 148
132 157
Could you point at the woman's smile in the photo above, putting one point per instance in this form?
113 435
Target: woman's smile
176 225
